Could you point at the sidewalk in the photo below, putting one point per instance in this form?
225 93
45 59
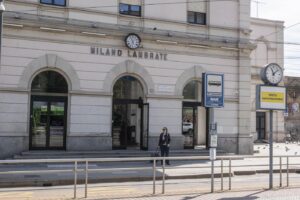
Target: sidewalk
283 194
243 188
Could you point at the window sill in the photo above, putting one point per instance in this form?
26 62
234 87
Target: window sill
197 25
130 16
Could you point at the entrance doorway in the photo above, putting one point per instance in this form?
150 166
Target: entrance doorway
261 125
194 124
48 113
130 124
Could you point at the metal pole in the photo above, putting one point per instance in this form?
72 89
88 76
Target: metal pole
163 180
86 177
287 172
222 174
75 179
1 30
154 174
212 176
271 151
229 173
280 164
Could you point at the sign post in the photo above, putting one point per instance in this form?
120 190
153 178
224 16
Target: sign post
271 98
213 97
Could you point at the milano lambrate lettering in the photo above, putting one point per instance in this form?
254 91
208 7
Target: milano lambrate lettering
129 53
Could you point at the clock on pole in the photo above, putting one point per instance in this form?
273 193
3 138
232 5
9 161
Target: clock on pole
272 74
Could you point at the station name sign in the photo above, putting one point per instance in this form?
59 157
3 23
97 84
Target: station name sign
147 55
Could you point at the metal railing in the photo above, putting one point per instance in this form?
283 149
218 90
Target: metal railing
86 170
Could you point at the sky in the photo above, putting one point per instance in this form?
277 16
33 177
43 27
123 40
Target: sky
289 12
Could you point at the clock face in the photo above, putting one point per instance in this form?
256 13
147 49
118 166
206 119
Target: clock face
132 41
273 74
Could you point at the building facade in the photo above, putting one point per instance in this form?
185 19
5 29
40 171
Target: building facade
72 78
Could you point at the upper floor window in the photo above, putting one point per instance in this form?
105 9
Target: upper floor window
196 18
54 2
127 9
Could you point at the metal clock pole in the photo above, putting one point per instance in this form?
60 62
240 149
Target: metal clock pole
271 151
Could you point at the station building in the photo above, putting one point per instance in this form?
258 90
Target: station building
69 80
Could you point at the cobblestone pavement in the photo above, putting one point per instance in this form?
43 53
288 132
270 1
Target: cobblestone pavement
282 194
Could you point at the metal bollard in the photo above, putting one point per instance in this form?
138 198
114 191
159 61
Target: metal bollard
75 179
86 178
280 170
163 180
229 173
222 187
154 174
287 172
212 176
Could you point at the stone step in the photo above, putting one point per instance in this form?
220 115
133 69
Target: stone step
106 154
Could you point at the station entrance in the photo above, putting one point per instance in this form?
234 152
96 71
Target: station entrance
130 115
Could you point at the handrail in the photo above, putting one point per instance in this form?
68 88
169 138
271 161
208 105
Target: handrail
82 166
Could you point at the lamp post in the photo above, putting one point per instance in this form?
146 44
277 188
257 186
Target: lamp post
2 9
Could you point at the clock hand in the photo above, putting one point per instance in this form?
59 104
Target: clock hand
275 72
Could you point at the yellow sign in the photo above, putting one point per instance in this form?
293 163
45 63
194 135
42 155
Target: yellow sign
273 97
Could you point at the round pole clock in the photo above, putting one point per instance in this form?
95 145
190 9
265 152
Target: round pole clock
132 41
272 74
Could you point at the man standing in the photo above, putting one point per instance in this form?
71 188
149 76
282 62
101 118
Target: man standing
164 144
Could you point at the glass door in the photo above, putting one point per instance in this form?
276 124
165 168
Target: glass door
119 126
145 127
261 125
39 123
48 122
188 123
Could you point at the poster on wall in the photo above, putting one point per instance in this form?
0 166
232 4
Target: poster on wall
213 96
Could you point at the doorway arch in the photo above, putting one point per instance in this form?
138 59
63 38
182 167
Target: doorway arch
194 115
48 111
129 114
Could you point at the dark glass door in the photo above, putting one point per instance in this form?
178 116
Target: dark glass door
120 126
261 125
48 122
130 124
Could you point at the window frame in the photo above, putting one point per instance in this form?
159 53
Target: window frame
53 3
130 11
195 14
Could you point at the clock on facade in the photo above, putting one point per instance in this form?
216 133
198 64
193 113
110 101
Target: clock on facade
132 41
272 74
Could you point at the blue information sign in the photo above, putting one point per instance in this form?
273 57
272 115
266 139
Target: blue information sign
213 94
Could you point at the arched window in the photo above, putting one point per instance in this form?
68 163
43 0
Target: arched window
128 87
193 91
49 82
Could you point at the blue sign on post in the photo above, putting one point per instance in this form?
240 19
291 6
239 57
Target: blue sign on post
213 94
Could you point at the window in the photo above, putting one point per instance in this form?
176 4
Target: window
193 90
196 18
50 82
127 9
54 2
